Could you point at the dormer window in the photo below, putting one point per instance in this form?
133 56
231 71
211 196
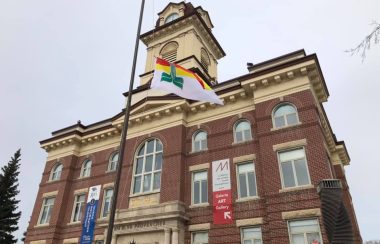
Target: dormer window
171 17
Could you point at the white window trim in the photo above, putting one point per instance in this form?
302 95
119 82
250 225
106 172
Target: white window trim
193 142
141 193
110 161
52 171
82 169
73 209
201 204
200 231
292 220
104 201
293 168
238 182
249 227
286 122
44 199
234 131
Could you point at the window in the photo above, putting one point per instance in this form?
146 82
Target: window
205 60
294 168
200 194
251 235
86 168
47 207
285 115
78 207
171 17
246 180
304 232
112 164
242 131
169 52
199 141
107 199
148 164
99 242
199 238
56 172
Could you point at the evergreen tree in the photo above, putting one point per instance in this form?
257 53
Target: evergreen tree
8 204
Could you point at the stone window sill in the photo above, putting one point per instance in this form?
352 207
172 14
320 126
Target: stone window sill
198 152
245 199
41 225
296 188
144 194
242 142
74 223
199 205
285 127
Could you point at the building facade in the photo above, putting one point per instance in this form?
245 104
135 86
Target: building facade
286 167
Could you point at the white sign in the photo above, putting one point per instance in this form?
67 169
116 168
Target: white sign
221 179
94 193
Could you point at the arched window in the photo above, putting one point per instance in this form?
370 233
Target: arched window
86 168
147 168
56 172
199 141
205 59
112 164
285 115
242 131
171 17
169 52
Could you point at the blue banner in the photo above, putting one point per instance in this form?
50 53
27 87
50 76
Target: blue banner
90 216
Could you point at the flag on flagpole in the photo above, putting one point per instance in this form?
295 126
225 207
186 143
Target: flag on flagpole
173 78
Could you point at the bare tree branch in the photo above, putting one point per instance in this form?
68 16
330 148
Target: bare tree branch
366 43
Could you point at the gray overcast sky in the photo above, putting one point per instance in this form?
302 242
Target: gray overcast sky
61 61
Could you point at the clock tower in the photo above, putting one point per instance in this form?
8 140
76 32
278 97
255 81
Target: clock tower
183 35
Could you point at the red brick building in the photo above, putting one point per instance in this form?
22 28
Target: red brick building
286 167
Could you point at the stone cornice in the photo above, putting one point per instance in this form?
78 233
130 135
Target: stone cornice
194 20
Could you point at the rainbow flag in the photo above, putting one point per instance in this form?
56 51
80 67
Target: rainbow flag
173 78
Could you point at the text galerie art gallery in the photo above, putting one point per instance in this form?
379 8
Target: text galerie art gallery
263 168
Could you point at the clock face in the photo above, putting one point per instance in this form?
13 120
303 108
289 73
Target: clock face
171 17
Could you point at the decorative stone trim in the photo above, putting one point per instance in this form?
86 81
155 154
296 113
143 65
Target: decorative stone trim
287 145
285 127
98 238
205 226
246 199
247 222
108 185
200 205
70 241
38 242
314 212
297 188
244 158
78 191
199 167
50 194
41 225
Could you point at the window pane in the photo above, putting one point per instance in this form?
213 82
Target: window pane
157 181
158 146
201 237
200 176
243 185
147 182
158 163
150 146
139 166
204 191
279 121
247 135
239 136
252 184
298 239
252 233
248 242
247 167
258 242
197 146
284 109
141 152
301 171
148 163
196 189
291 119
203 144
312 238
43 215
287 173
292 155
137 184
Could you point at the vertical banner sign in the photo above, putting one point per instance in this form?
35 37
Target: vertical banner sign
221 188
90 215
